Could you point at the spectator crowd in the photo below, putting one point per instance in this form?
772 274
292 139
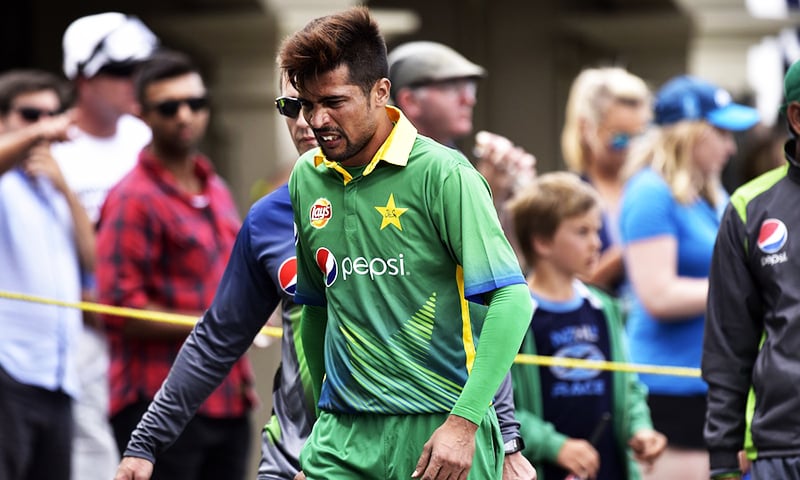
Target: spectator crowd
407 274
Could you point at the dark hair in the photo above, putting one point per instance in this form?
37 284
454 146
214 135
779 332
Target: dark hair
351 38
17 82
162 65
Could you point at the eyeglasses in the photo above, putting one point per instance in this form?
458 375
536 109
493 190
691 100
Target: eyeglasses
169 108
288 106
453 86
620 141
33 114
118 70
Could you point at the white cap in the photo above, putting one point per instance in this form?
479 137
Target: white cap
95 41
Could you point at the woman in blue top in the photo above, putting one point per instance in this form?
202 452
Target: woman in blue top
607 108
669 221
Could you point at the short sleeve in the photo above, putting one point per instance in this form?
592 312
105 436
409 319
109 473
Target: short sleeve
647 208
470 227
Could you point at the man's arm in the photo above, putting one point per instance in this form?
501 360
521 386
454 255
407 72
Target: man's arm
515 465
39 162
244 300
14 145
451 447
734 327
313 324
504 406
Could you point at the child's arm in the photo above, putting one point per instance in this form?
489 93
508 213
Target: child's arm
542 441
638 411
579 457
647 445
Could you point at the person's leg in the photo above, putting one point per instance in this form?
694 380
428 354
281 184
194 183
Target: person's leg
228 454
209 449
278 460
489 454
17 431
183 460
681 419
776 468
344 447
35 432
406 436
387 447
125 421
52 456
94 449
679 463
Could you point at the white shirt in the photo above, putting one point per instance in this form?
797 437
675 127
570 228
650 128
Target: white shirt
92 165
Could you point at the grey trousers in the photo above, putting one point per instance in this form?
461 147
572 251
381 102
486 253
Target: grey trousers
782 468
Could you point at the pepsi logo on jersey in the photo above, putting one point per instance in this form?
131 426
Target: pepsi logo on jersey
771 239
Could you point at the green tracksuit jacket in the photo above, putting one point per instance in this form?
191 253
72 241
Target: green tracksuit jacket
630 414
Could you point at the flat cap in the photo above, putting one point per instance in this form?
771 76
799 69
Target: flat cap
418 63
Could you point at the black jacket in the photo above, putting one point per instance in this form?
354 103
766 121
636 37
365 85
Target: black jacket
752 335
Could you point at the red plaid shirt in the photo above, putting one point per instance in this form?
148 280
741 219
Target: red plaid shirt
158 244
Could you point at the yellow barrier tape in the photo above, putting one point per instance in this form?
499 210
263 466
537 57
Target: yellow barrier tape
604 365
276 332
164 317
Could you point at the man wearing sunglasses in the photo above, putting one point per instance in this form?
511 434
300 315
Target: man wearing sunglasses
292 408
165 235
401 395
273 252
46 240
100 53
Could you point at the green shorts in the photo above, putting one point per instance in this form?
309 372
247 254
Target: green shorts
369 446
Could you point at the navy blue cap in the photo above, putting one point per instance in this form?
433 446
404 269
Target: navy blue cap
690 98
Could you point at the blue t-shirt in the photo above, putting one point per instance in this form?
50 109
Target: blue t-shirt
649 210
574 400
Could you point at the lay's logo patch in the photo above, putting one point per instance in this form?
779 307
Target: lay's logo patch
321 212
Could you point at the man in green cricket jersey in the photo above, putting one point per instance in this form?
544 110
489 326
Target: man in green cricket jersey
395 235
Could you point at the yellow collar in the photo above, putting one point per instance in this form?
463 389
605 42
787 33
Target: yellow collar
395 149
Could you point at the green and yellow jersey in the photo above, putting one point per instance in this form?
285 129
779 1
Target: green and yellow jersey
394 250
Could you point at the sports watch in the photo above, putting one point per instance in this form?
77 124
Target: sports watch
513 446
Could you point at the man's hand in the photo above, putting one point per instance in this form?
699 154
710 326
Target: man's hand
517 467
133 468
647 445
40 163
744 462
448 453
300 476
54 129
505 167
579 457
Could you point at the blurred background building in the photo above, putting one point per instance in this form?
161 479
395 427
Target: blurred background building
531 49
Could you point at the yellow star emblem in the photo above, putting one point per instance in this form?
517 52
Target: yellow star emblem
391 214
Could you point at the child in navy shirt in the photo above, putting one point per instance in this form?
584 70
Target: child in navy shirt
577 423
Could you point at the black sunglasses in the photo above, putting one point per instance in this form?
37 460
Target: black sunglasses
33 114
118 70
288 106
169 108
